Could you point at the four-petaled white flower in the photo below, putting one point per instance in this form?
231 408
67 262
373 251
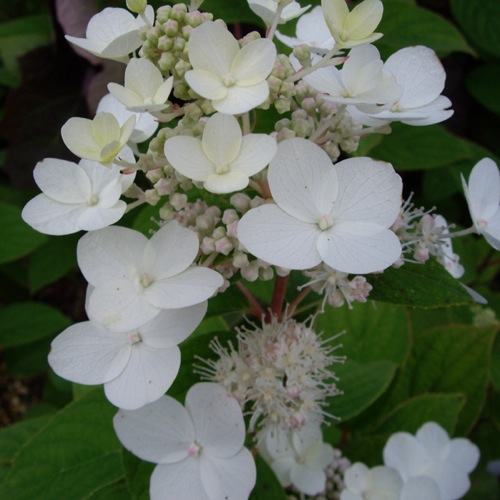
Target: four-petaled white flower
357 27
298 458
338 214
313 31
198 448
113 33
431 453
266 10
75 197
145 90
100 139
224 159
483 198
420 74
362 81
233 78
135 278
137 366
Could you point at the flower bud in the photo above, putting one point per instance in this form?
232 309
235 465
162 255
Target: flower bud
137 6
303 54
282 105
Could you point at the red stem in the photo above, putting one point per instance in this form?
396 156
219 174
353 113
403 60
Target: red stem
256 309
278 299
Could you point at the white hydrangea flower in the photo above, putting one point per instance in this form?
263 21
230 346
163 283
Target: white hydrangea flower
266 10
357 27
431 453
75 197
144 90
233 78
100 139
135 278
298 458
137 366
311 30
198 448
446 256
113 33
362 81
145 124
338 214
224 159
420 74
483 197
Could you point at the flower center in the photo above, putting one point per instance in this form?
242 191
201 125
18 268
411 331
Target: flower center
92 200
145 280
325 222
229 80
223 168
482 223
194 450
134 338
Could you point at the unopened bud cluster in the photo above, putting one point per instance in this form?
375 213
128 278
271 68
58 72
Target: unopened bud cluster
281 372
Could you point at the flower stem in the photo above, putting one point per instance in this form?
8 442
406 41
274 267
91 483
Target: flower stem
325 61
278 295
134 204
300 297
256 309
464 232
245 120
272 29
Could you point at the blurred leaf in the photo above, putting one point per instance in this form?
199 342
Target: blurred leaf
361 386
374 331
404 24
482 83
17 239
115 491
138 473
267 485
450 359
419 285
23 323
420 148
413 413
30 359
52 261
480 22
232 12
74 456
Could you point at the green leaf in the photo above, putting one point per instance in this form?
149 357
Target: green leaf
13 438
482 83
404 25
26 322
361 385
495 364
374 331
480 22
17 239
231 12
267 485
450 359
138 474
116 491
419 285
410 415
28 359
74 456
52 261
435 146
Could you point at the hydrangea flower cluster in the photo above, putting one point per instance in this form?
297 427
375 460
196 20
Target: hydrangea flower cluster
236 206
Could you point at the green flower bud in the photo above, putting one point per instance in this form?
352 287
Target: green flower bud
163 14
303 54
165 43
137 6
282 105
167 61
182 67
171 28
179 10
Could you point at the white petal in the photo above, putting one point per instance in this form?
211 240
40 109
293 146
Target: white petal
405 454
170 251
357 477
126 96
278 238
103 180
207 84
434 439
107 254
385 479
88 353
257 150
147 376
358 247
78 137
180 480
242 99
190 287
319 456
364 19
62 180
212 47
221 141
420 487
484 189
254 62
159 432
51 217
462 453
452 482
420 73
308 481
186 155
171 327
120 306
97 217
369 191
282 468
302 180
217 419
163 91
327 80
226 183
232 477
363 69
143 78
